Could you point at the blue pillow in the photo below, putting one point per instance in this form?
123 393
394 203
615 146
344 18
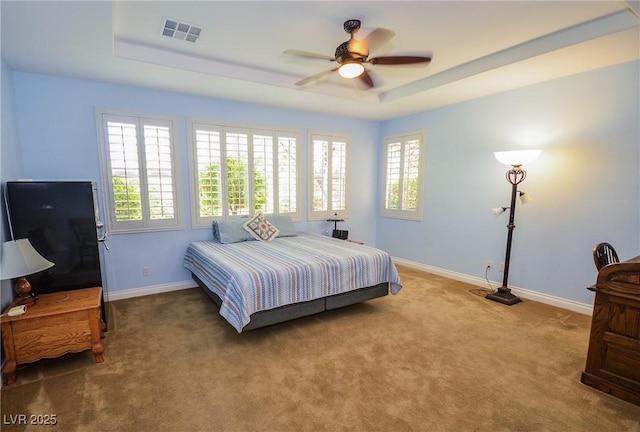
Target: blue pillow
216 231
230 231
284 224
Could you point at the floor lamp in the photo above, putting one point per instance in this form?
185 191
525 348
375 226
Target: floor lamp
515 175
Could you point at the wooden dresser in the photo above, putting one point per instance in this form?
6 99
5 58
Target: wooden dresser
58 323
613 359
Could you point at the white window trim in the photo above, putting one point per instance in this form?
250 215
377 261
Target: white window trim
114 226
193 123
414 215
330 213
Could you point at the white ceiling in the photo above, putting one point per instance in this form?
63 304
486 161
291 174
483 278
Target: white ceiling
478 47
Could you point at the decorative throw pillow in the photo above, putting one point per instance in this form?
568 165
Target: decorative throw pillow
260 228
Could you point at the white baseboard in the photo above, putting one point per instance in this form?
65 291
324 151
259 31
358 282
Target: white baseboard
520 292
149 290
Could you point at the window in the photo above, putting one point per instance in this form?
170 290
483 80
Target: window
138 163
329 164
403 176
237 171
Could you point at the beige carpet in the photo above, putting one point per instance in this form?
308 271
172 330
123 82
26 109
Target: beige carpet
436 357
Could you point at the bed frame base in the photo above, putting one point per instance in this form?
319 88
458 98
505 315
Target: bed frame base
299 310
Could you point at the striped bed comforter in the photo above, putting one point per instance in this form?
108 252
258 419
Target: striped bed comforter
252 276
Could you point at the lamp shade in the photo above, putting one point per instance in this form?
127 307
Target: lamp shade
517 157
19 259
351 69
525 198
497 211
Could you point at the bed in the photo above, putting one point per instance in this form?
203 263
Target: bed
259 283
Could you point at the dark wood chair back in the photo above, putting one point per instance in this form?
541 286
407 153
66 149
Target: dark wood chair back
604 254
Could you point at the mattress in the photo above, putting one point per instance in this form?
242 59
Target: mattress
253 276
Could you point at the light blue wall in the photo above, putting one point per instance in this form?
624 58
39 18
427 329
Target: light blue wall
585 184
57 128
10 161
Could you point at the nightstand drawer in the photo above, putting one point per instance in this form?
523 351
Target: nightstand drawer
51 336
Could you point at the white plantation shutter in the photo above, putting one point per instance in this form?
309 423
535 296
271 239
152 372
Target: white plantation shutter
411 173
263 164
239 171
403 181
138 160
339 176
125 171
208 172
394 168
157 144
320 173
287 166
328 167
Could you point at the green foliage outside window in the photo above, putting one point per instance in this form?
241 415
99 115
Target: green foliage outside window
128 204
210 192
393 196
260 190
409 197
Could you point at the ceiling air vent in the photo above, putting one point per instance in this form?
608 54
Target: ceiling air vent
179 30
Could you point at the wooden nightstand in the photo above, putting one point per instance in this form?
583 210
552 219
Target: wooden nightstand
58 323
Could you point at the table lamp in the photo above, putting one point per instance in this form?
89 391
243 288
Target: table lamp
20 259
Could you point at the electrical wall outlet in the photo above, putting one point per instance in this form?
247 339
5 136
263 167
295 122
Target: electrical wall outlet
145 271
502 267
489 264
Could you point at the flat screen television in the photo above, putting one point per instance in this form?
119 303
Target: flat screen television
59 219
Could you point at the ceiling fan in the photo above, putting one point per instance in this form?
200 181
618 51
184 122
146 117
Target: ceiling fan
353 54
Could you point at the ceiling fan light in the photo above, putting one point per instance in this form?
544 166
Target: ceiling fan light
357 47
351 70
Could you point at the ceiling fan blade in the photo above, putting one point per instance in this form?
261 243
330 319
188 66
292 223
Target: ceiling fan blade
366 78
308 54
398 60
378 38
315 77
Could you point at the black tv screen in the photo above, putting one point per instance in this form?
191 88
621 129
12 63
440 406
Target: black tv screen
59 219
